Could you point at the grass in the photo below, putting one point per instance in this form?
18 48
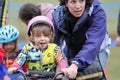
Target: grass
112 65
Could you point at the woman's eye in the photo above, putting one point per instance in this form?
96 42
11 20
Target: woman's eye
73 2
46 35
82 0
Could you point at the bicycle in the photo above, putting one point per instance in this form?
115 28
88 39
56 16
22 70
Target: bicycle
39 75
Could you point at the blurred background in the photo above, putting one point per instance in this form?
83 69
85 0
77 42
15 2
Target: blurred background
110 6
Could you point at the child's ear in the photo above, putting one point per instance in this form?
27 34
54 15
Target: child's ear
31 38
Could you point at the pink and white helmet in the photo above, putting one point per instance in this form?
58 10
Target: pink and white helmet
39 19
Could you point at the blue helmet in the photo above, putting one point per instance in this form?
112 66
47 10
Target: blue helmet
8 33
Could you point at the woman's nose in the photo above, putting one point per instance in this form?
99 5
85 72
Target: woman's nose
78 5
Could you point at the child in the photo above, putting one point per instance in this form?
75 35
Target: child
41 54
8 38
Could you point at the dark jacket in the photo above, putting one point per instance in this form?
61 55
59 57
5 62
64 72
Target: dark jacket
84 40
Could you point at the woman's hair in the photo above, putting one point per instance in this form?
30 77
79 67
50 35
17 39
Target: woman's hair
28 11
63 2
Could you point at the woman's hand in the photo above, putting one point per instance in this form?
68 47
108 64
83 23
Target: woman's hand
70 72
10 70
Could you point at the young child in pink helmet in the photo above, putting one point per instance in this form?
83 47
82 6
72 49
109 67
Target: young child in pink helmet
40 51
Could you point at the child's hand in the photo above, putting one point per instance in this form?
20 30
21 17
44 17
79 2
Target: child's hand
10 70
6 77
70 72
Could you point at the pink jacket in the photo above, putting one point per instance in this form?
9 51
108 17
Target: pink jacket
46 9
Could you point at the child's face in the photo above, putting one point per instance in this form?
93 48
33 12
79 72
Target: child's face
42 36
9 47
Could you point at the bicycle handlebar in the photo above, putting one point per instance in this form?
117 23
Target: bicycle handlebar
39 74
20 71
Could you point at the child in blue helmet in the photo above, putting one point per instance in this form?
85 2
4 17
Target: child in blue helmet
8 38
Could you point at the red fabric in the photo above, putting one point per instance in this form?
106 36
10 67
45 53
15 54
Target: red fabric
2 54
8 63
25 67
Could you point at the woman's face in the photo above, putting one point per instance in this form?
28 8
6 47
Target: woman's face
76 7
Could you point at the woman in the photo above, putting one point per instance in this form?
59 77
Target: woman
82 25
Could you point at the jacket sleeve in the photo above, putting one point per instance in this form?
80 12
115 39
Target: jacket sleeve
57 35
57 13
95 36
60 60
20 60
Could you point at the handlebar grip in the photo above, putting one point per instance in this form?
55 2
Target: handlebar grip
16 71
59 73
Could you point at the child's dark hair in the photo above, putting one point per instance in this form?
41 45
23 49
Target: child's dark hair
28 11
63 2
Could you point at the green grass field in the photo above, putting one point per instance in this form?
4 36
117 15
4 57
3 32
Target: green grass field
112 65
